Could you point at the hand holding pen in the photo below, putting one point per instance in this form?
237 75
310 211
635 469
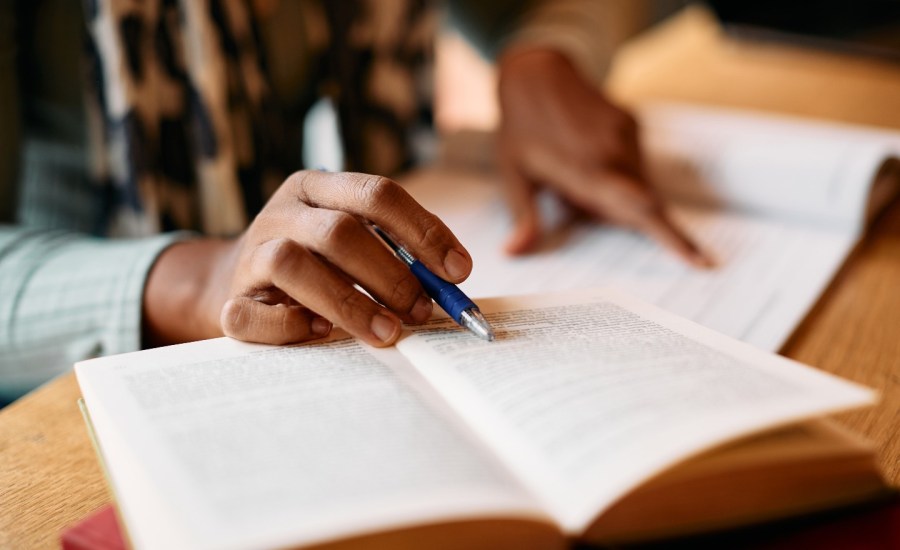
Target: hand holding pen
293 273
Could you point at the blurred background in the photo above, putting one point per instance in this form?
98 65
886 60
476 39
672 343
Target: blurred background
847 28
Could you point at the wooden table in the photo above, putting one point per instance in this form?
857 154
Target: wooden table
49 477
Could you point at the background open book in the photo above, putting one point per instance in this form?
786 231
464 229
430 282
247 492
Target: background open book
779 201
576 422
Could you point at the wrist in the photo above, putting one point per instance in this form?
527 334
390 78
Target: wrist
532 75
185 291
531 64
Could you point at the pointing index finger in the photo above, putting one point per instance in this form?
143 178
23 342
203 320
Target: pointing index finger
659 227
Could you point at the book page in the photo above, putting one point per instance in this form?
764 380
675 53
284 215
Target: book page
769 272
587 394
815 172
233 445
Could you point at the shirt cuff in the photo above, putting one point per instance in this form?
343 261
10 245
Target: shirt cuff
67 298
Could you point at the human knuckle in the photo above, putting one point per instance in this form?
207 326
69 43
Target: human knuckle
281 254
233 318
433 234
296 183
293 326
349 305
335 228
405 292
374 191
296 178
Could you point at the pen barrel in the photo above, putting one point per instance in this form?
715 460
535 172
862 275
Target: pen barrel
447 295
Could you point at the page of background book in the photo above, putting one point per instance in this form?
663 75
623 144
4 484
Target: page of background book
778 202
265 446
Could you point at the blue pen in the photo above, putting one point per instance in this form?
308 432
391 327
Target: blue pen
447 295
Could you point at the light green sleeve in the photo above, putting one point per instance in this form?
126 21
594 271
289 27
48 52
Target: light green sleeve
63 296
66 297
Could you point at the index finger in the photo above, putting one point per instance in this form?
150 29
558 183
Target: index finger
657 225
386 204
629 201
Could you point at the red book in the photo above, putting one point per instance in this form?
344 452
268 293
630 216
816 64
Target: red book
98 531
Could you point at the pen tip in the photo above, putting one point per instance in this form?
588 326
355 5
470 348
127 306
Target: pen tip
473 320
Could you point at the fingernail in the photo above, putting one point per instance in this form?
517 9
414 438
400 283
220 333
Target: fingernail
384 328
704 261
520 242
321 326
422 310
456 265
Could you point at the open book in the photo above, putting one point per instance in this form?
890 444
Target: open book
592 416
778 201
